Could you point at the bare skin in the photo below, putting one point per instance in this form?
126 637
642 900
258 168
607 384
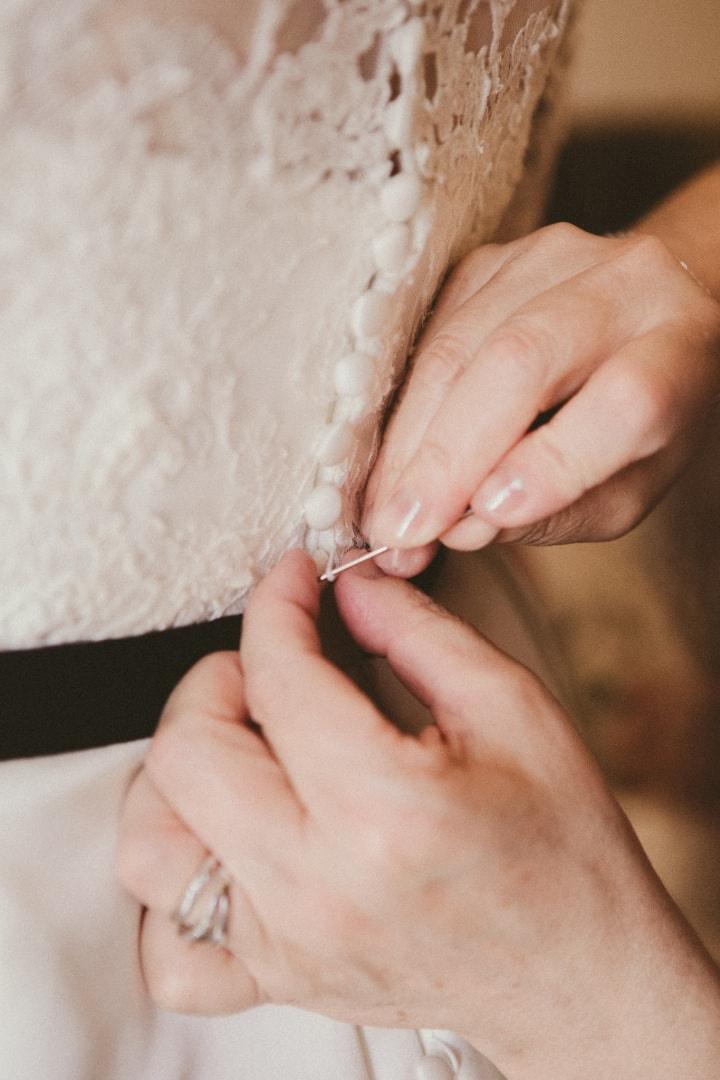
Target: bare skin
480 877
612 329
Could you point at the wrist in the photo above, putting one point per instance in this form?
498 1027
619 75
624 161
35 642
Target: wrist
646 1004
688 223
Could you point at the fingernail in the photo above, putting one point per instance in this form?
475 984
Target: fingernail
501 492
482 532
393 560
398 519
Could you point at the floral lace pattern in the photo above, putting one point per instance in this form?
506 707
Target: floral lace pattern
215 252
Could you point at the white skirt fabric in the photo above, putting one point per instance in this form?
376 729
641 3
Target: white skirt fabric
71 995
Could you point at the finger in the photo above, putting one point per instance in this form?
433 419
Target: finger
217 773
504 279
424 389
192 977
608 511
212 687
158 857
539 356
316 719
472 689
470 534
157 854
407 564
628 411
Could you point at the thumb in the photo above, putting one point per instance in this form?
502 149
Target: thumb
473 689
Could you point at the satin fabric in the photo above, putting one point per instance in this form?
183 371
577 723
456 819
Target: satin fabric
72 1001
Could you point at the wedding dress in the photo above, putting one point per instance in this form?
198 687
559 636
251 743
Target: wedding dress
222 225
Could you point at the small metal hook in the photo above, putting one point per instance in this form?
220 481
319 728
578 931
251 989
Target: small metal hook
331 573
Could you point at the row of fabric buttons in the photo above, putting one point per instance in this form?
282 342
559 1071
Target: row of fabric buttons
400 198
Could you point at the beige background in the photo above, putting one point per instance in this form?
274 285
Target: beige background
652 59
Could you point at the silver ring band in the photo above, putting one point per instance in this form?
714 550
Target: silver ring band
203 911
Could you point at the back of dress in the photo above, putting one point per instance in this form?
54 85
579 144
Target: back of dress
222 224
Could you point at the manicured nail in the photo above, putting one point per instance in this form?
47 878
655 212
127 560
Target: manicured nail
396 519
402 562
482 532
501 492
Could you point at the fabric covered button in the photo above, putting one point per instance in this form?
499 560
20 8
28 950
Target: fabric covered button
353 407
335 444
398 119
370 313
323 507
400 196
391 248
354 374
434 1067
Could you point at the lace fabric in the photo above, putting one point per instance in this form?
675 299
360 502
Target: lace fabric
219 236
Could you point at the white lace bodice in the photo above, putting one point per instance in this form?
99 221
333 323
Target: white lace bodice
218 236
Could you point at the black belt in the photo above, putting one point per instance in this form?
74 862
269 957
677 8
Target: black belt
74 697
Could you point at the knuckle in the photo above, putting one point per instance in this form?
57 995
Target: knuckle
646 403
522 348
473 265
442 359
217 665
214 669
434 457
569 477
647 253
560 234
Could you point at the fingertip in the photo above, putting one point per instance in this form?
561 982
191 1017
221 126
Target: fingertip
352 582
502 496
297 561
470 534
295 579
407 562
367 599
362 585
216 678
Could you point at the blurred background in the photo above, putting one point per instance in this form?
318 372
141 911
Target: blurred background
654 61
644 107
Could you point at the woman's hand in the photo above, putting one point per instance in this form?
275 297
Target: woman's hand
479 877
612 333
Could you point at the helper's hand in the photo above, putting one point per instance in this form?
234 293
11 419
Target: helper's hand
479 878
613 331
